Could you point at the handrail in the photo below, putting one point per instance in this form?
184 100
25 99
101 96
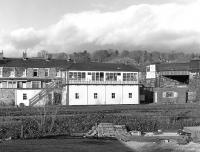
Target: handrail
42 93
101 82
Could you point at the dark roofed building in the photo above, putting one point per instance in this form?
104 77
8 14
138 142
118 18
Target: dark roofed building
64 64
173 67
91 83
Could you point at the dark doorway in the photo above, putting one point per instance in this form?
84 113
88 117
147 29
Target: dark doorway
57 98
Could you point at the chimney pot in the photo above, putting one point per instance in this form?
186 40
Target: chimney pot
1 55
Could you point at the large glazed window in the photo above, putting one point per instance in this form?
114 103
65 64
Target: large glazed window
80 76
129 76
111 76
97 76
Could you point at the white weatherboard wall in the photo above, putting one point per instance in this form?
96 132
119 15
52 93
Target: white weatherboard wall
100 90
82 91
104 94
151 73
30 93
117 89
135 94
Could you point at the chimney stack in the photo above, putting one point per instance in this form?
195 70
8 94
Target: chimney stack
47 56
1 55
68 58
24 55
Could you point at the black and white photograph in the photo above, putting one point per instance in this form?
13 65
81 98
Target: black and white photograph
99 75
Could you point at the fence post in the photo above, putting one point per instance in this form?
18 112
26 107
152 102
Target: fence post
22 132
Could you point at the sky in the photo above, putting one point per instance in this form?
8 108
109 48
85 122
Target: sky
77 25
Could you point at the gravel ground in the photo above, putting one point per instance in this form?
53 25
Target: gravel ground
164 147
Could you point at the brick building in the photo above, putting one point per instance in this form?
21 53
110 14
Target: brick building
34 81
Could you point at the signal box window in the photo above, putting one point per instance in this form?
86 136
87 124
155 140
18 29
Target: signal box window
130 95
76 95
95 95
113 95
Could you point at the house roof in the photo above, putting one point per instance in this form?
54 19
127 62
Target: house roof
64 64
32 63
173 67
195 65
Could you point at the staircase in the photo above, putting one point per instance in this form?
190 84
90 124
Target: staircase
43 93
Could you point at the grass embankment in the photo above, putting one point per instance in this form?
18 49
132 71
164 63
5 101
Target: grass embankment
32 122
63 145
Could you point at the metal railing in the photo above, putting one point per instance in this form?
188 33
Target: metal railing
101 82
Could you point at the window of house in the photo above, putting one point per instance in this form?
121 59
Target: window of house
46 72
113 95
12 73
95 95
35 72
148 69
21 84
36 84
14 84
130 95
24 73
76 95
58 73
1 72
24 96
9 84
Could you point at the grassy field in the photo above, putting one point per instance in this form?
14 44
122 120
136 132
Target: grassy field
64 145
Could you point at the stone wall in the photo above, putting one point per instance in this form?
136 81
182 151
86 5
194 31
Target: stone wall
194 88
171 95
41 73
7 97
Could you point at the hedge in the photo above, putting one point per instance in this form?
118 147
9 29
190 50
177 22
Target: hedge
43 125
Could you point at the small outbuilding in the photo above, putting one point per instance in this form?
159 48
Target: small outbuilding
171 95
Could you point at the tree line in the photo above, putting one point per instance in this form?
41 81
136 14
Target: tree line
135 57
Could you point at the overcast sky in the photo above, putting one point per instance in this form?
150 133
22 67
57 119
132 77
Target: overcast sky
75 25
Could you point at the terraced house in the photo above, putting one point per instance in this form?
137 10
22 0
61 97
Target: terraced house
36 81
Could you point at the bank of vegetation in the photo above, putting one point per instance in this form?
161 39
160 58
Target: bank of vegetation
30 122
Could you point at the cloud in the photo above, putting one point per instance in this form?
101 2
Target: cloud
26 38
168 26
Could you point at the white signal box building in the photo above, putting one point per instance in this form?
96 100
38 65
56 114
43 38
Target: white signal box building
100 84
